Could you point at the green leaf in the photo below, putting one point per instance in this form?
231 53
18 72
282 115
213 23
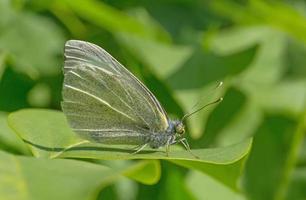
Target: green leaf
46 132
48 135
295 59
2 63
189 98
221 116
147 172
302 155
35 179
269 63
297 188
237 39
155 54
13 89
8 139
172 185
264 96
275 14
213 67
114 20
125 189
204 187
275 152
22 30
40 95
242 124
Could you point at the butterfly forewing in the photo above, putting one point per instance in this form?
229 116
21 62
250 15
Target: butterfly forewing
102 97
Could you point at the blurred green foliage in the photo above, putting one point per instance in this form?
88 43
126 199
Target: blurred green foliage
181 50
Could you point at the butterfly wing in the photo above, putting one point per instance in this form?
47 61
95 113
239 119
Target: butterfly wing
101 97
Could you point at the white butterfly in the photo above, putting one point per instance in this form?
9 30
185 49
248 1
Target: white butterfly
106 103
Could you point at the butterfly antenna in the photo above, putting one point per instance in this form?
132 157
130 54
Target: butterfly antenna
209 104
213 89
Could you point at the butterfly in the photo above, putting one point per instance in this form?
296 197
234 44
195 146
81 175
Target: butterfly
105 103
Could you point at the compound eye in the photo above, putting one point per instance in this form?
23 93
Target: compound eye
180 129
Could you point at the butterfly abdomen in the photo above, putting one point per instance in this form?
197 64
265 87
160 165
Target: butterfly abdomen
160 140
115 137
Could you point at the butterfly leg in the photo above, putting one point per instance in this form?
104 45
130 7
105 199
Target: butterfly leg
167 146
70 147
135 147
139 148
167 150
187 147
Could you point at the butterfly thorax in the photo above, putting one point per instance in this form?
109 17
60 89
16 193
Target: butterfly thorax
175 130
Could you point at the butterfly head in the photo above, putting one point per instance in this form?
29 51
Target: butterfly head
179 128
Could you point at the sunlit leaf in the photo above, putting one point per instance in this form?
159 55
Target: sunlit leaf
269 64
31 178
172 184
221 117
195 98
279 97
204 187
296 59
2 63
297 188
146 171
34 49
52 137
275 14
9 141
237 39
275 152
39 95
114 20
242 125
205 67
164 59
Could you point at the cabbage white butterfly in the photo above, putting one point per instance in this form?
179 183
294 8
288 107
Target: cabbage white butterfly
105 103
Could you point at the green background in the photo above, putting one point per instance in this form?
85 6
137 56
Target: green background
181 50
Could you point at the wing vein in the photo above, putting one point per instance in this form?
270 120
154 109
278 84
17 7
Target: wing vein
98 99
103 130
